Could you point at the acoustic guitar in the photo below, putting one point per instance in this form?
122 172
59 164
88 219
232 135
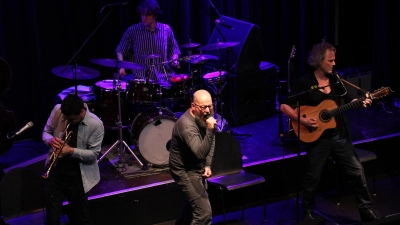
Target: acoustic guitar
325 114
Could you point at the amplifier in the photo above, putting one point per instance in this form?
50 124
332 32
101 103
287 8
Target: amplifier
359 76
251 96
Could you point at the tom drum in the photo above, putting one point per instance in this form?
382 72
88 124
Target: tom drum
140 91
107 102
214 77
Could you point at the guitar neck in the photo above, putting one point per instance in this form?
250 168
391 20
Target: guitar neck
346 107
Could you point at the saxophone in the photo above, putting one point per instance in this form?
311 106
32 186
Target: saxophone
54 156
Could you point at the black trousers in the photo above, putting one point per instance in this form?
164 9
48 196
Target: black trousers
59 188
197 208
343 152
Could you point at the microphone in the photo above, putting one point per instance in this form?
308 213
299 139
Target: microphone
222 23
338 78
113 4
215 125
27 126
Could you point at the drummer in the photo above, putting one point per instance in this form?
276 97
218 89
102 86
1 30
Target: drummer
145 44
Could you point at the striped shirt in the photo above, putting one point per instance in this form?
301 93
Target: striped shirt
138 41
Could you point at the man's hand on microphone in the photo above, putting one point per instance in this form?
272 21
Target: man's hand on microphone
211 122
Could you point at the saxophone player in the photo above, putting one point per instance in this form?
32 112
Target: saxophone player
76 171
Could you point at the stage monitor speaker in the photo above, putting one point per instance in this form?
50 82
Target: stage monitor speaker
21 188
319 220
387 220
359 76
250 97
243 57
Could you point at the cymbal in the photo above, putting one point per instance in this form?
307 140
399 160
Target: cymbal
152 56
218 45
115 63
200 59
176 78
190 45
186 58
82 73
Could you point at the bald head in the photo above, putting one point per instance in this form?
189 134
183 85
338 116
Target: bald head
202 97
202 107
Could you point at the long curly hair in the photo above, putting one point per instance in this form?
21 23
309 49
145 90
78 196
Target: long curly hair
317 53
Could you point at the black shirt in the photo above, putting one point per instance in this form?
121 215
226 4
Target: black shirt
306 92
68 166
192 147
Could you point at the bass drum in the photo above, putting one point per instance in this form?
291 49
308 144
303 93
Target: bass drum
151 131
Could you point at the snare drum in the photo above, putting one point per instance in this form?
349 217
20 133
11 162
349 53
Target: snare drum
107 102
140 91
151 131
214 77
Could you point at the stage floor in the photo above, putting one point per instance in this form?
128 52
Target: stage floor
261 145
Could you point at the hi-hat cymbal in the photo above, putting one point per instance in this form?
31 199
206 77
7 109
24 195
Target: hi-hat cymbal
200 59
218 45
152 56
82 73
190 45
115 63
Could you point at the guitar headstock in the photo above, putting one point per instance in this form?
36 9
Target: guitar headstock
379 93
292 53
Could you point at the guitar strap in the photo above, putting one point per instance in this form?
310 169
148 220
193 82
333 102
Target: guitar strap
353 85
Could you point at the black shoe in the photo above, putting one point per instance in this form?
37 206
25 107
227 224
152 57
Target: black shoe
308 216
367 215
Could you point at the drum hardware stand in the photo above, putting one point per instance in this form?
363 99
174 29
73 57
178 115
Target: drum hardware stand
227 82
218 92
191 89
227 58
120 141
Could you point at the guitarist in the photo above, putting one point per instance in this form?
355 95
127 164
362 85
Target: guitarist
313 89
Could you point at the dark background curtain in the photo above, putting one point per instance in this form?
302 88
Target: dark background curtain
36 36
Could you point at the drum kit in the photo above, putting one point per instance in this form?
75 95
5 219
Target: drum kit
136 103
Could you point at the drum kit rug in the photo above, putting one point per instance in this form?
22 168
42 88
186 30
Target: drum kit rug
142 105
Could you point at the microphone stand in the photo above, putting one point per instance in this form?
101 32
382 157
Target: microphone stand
299 142
228 78
119 124
83 44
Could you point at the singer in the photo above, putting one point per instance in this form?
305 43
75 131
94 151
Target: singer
76 171
149 43
191 152
334 141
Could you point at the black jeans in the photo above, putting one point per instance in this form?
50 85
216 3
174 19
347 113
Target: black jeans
197 208
59 188
343 152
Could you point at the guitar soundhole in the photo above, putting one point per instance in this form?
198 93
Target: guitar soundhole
325 116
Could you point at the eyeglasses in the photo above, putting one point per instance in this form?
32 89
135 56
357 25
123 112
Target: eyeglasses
203 107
